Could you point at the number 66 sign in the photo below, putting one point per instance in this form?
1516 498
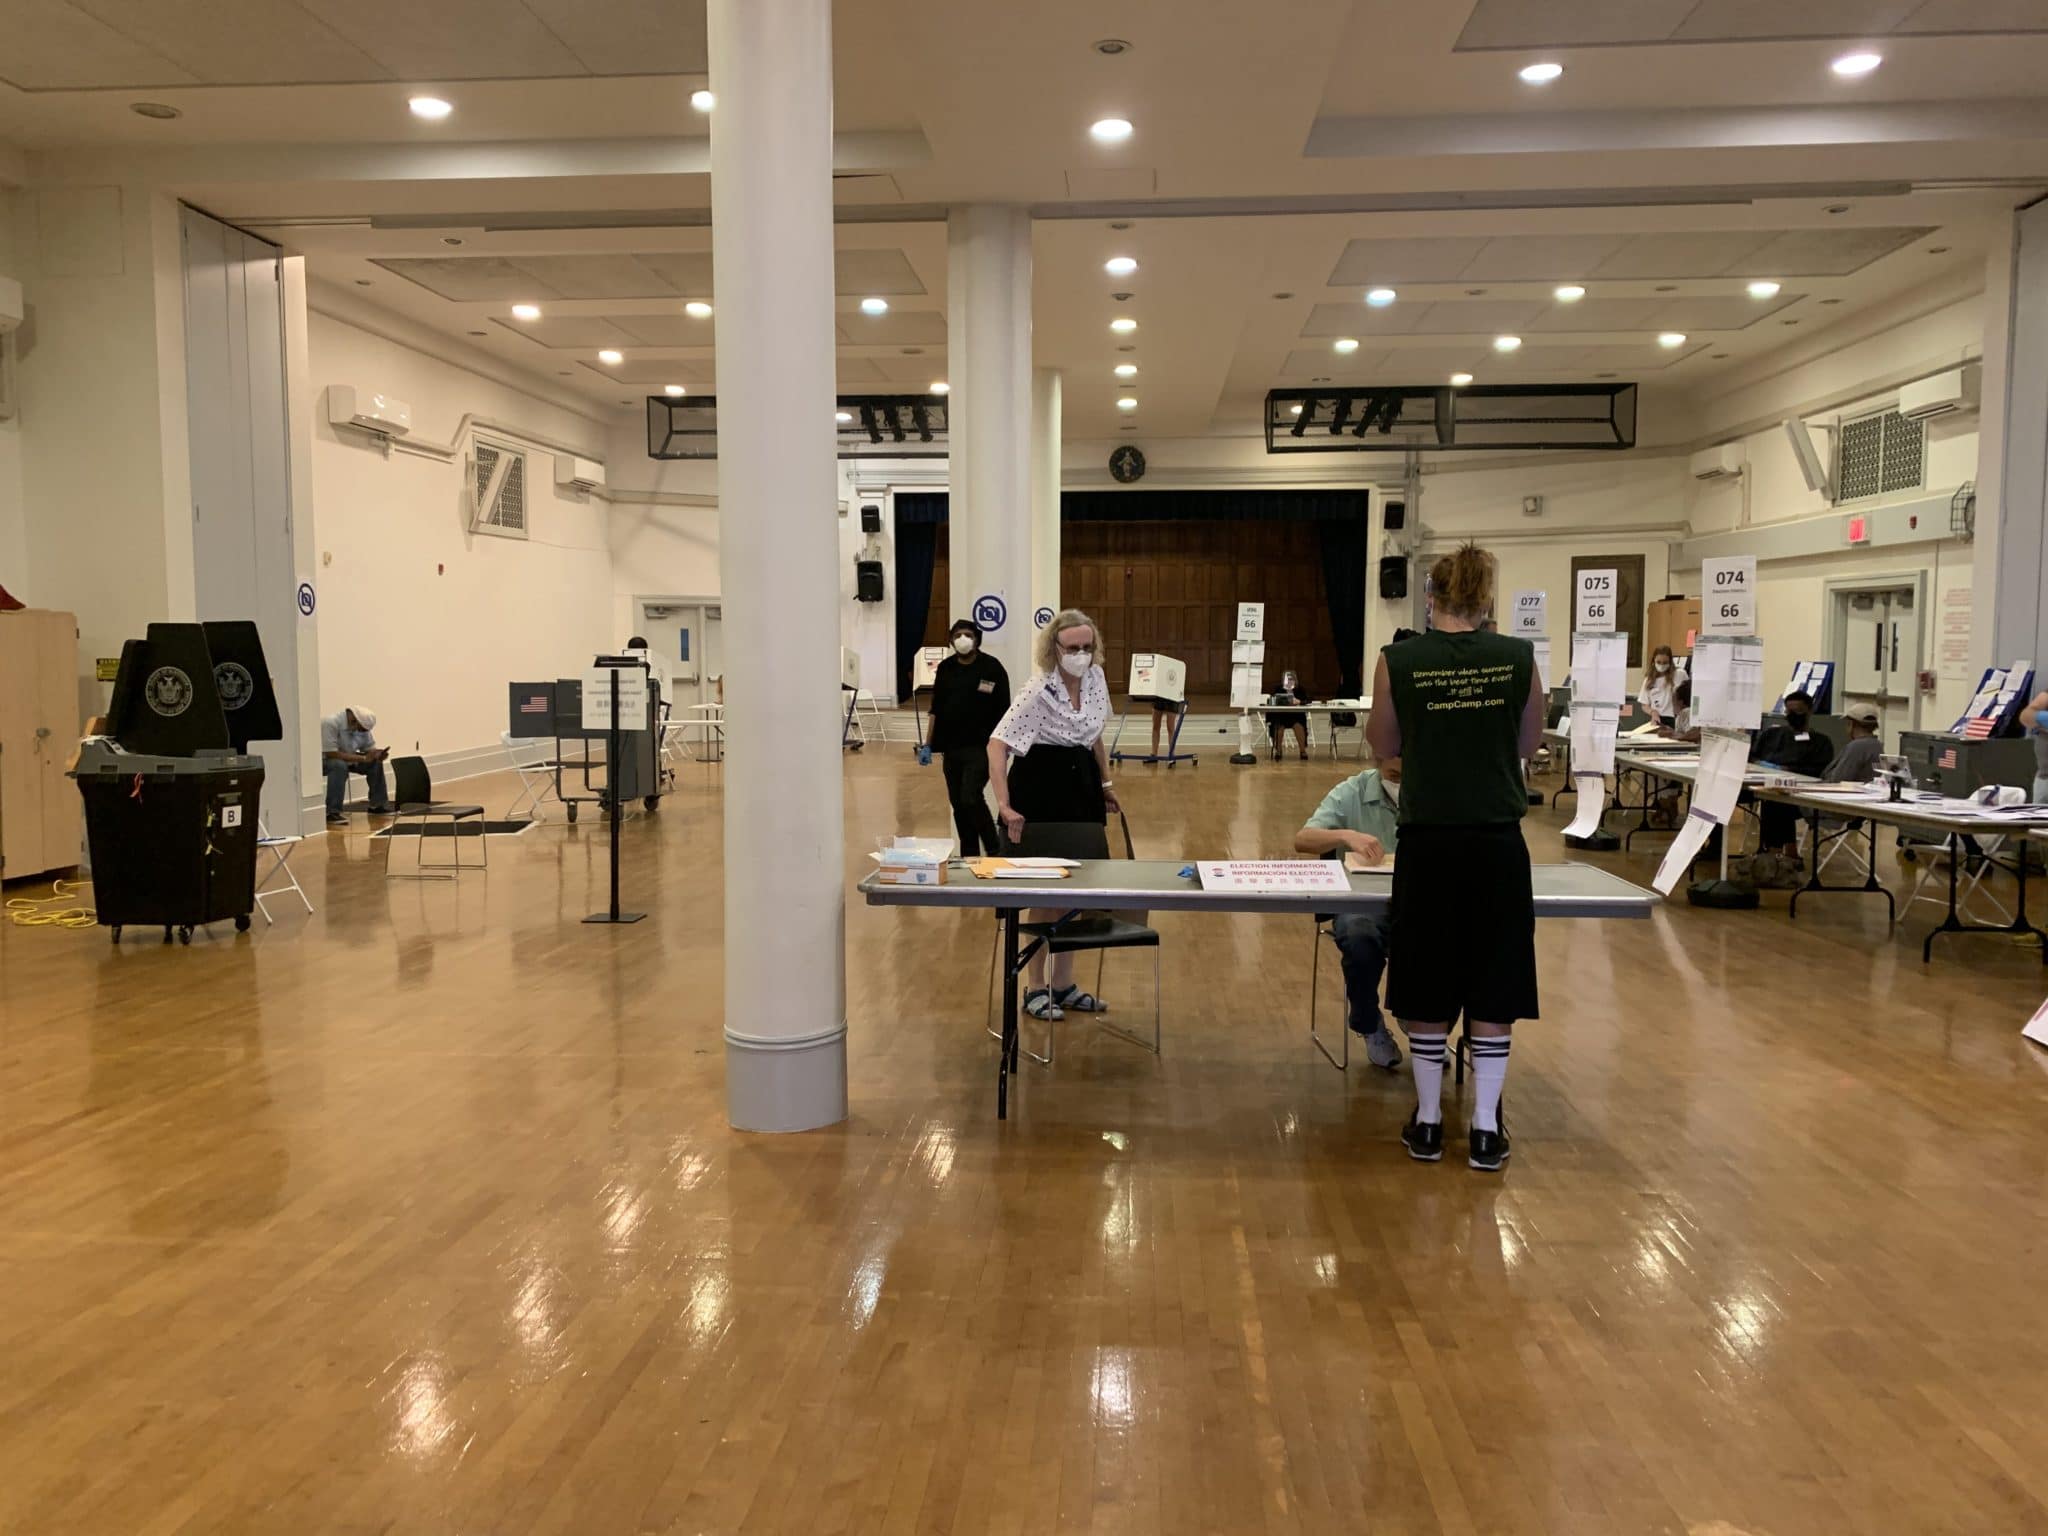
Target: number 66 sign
1729 606
1597 590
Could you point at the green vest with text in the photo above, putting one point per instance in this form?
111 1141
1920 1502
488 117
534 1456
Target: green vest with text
1459 696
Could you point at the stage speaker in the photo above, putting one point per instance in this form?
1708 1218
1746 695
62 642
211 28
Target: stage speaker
1393 576
867 576
1393 515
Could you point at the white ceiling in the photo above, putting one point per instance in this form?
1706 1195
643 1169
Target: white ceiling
1286 158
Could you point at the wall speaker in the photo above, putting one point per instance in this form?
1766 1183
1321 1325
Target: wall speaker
867 581
1393 576
870 519
1393 515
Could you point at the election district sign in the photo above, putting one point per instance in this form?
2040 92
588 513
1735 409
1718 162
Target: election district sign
1273 875
1597 592
598 683
1532 614
1251 621
1729 604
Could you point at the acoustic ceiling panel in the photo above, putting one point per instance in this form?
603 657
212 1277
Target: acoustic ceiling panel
1554 24
469 279
1685 253
648 374
1534 258
1570 23
670 330
886 272
1591 314
234 40
1432 260
628 37
569 332
1823 252
449 39
1976 16
687 273
1717 21
899 327
594 276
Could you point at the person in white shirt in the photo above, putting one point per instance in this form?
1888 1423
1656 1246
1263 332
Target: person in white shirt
1658 695
1049 769
346 747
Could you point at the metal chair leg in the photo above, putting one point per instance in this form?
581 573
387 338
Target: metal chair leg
1341 1063
1129 1037
989 1018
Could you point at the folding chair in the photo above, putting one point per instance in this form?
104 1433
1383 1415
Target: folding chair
413 789
529 756
280 851
1971 882
1834 839
1123 930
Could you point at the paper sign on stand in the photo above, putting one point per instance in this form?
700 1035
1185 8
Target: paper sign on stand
1532 614
1685 847
1245 651
849 668
1595 611
1246 687
1251 621
1728 683
1592 737
1282 876
1592 792
598 684
1599 668
1729 607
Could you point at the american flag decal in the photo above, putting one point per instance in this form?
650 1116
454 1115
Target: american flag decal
1979 729
1948 759
536 704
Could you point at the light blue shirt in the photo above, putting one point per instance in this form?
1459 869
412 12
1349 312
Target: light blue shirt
335 736
1360 804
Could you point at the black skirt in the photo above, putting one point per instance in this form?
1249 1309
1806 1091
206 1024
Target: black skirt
1058 792
1462 929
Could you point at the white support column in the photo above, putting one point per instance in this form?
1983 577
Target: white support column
988 359
1045 492
2011 556
771 241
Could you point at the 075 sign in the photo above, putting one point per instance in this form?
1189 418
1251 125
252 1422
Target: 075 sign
1597 592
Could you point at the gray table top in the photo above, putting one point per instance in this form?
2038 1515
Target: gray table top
1687 773
1156 885
1905 813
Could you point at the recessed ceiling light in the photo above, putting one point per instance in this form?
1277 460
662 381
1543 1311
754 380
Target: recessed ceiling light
364 282
155 109
672 389
1380 298
1606 375
1321 378
1831 301
1570 293
1121 225
703 101
1109 130
1671 339
1122 298
1345 344
432 108
451 239
1506 343
1837 208
1120 266
1763 290
1720 357
1788 322
1938 250
874 306
1852 64
1123 325
525 311
697 309
479 333
941 387
1474 293
1294 410
1667 287
1460 380
1127 370
1127 403
625 402
1111 46
1283 295
842 417
609 356
1541 74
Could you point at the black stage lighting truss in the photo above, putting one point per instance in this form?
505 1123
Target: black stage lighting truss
1521 418
885 426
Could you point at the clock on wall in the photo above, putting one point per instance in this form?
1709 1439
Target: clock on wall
1126 465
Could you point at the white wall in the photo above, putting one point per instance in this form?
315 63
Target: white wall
420 619
664 524
14 572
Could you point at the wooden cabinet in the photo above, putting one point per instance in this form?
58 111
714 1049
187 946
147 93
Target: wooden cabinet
1673 622
41 825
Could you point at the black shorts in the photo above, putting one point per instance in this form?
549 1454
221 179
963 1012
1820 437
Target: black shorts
1462 928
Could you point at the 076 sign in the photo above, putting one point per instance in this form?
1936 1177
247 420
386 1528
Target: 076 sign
1597 592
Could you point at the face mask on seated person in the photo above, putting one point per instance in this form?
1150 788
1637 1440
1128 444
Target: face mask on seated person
964 644
1077 663
1663 666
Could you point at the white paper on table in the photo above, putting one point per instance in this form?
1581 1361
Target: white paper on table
1593 729
1599 667
1592 792
1683 850
2036 1028
1247 650
1277 875
1727 684
1541 644
1724 761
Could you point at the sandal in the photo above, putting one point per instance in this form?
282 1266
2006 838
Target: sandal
1074 1000
1040 1004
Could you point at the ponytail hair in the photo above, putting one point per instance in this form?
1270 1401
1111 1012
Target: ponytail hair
1462 582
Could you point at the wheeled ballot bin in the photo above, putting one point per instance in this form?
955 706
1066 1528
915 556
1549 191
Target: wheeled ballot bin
172 793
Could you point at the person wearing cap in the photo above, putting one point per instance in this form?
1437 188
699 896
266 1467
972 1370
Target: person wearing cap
346 747
1856 763
970 691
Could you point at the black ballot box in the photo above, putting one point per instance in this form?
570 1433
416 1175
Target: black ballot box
173 839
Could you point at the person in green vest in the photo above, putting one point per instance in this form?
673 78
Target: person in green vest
1461 706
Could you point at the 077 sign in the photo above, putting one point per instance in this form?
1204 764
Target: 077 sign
1596 598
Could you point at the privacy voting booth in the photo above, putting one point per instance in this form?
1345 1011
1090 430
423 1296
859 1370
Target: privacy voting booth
1156 682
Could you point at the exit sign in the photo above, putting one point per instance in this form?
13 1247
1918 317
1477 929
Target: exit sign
1859 530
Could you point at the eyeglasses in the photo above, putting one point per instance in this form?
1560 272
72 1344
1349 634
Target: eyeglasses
1078 650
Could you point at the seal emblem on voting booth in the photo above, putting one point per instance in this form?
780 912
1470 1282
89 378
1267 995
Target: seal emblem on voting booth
168 692
231 680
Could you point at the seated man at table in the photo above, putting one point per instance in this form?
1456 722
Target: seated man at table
346 747
1360 816
1797 748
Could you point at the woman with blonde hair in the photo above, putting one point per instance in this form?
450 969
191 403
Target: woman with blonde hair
1461 706
1050 772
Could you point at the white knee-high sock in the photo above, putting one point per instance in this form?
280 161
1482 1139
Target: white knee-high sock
1426 1056
1489 1076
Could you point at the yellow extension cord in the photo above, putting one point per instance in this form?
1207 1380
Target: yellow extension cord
44 912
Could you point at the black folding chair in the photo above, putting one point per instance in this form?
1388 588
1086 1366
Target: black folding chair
413 789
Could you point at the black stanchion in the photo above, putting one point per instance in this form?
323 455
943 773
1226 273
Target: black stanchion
611 789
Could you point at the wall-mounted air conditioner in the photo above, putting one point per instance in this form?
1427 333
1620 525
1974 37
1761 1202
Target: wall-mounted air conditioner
1946 394
578 474
1722 463
368 411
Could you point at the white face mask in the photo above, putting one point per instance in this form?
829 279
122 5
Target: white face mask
1663 666
964 644
1391 788
1077 663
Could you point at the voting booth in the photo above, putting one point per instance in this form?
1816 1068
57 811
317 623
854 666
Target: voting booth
1158 679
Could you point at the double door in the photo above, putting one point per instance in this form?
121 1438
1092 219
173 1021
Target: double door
1880 659
41 821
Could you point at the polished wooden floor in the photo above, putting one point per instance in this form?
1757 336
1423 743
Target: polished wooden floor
422 1215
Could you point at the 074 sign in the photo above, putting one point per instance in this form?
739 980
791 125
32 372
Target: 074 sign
1596 595
1728 606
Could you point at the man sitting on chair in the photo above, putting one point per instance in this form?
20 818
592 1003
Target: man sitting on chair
346 747
1360 816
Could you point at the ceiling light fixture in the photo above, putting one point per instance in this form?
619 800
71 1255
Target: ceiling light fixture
703 101
874 306
1850 65
1671 339
1380 298
1120 266
1763 289
1570 293
1506 343
525 311
1127 403
1460 380
672 389
1541 74
697 309
155 109
432 108
1345 345
1109 130
1123 325
609 356
941 387
1127 370
1110 47
451 239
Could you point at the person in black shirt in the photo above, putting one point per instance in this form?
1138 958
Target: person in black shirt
1797 748
970 691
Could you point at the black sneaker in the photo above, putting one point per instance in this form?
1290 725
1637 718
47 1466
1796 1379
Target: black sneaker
1425 1143
1489 1149
337 821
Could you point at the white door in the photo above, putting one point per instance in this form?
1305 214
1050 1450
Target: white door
1880 659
